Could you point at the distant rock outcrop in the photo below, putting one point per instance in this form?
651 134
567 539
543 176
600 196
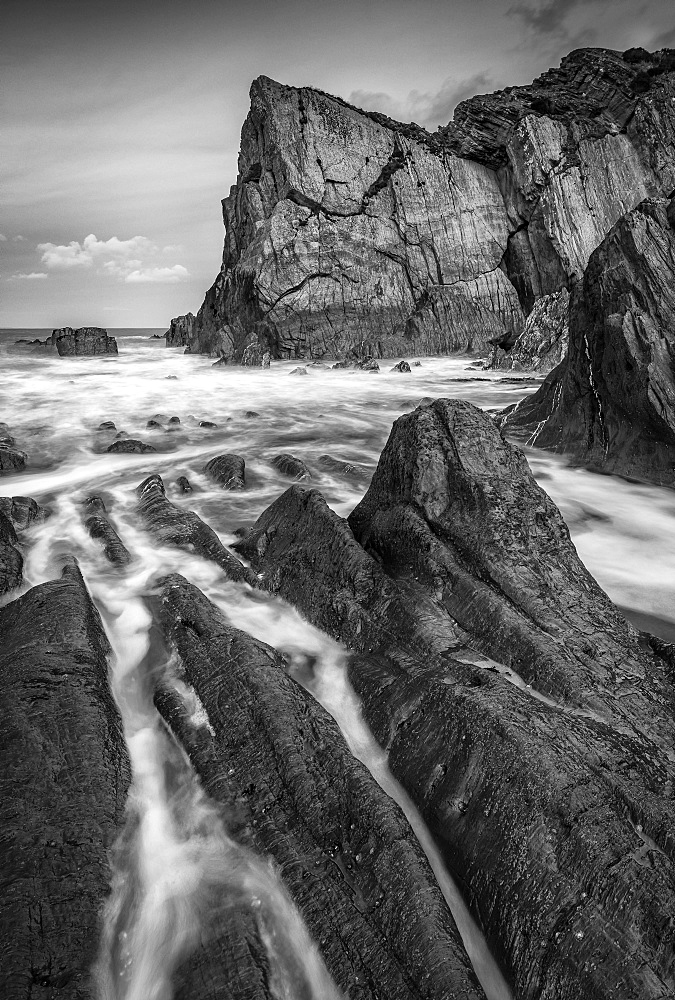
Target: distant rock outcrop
611 403
86 341
350 233
181 331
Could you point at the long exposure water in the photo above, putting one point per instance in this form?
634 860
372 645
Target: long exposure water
175 851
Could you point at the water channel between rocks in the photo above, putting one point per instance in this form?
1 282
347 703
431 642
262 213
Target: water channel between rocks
625 533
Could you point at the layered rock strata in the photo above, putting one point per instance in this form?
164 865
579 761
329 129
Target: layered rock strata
16 514
347 232
280 767
542 344
528 794
64 780
99 527
611 403
87 340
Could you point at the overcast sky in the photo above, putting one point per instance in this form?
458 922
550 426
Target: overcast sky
121 120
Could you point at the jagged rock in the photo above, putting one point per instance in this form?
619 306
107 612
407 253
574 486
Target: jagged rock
11 560
298 371
526 181
23 511
183 484
127 445
100 528
402 366
368 365
342 468
228 470
266 359
181 527
543 342
252 356
289 465
12 460
345 363
86 341
271 753
64 781
181 331
6 439
530 799
611 403
250 414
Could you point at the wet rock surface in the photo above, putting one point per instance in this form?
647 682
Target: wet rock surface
228 470
64 781
85 341
11 560
529 796
99 527
183 527
289 465
181 331
130 446
611 403
11 459
542 344
278 763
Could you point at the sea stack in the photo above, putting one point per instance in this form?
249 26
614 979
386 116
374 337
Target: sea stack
85 341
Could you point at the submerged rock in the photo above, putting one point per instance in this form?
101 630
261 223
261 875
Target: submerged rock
341 467
184 528
278 763
528 796
228 470
402 366
611 403
183 484
289 465
298 371
86 341
64 788
100 528
131 446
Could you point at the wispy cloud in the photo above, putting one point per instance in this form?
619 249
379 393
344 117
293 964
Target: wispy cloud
426 108
33 276
3 238
63 257
158 275
547 17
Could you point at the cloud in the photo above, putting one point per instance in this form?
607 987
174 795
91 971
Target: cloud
3 238
33 276
92 251
19 239
428 109
665 40
158 275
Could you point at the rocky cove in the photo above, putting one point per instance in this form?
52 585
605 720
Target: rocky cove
316 684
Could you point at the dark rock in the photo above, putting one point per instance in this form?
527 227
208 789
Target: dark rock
11 560
345 363
250 414
343 846
100 528
289 465
228 470
23 511
174 421
12 460
517 789
402 366
417 364
298 371
86 341
183 484
340 467
181 332
171 376
64 782
252 356
107 425
184 528
368 365
129 445
207 423
120 435
6 439
266 359
611 403
154 425
94 505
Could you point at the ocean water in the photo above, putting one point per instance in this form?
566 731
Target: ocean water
624 532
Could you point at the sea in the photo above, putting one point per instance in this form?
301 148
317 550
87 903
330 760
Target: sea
623 531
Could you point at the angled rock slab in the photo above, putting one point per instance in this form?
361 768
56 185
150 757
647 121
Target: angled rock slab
64 779
280 765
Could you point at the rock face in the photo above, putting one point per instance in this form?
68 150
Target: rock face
279 764
181 331
11 560
528 794
87 340
543 342
64 781
611 403
347 232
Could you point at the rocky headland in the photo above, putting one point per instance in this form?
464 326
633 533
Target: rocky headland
350 233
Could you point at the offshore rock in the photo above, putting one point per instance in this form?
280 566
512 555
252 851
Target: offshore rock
402 366
85 341
181 331
100 528
519 790
64 781
349 231
130 446
611 403
278 763
228 470
289 465
252 356
542 345
177 526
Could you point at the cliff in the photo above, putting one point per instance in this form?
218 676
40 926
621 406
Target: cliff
611 402
347 231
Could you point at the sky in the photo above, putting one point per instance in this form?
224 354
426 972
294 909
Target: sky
120 121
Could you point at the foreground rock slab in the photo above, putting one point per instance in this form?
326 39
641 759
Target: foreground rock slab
611 403
64 779
279 763
529 795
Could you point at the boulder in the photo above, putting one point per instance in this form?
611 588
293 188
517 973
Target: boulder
289 465
279 765
129 446
177 526
183 484
252 356
85 341
228 470
611 403
12 460
23 511
402 366
341 467
64 780
298 371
